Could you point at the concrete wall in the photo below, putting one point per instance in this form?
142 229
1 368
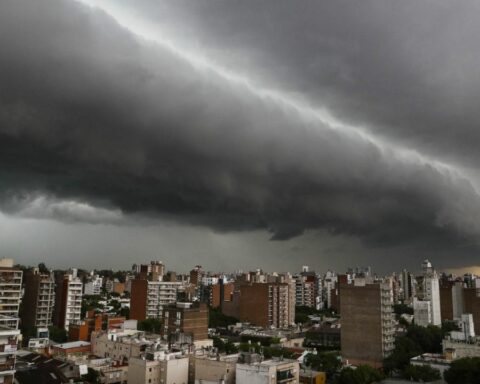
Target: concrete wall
213 370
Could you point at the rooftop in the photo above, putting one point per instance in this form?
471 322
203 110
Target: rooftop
72 344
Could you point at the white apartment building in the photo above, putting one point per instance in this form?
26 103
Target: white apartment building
158 367
210 280
159 294
429 292
422 312
73 298
94 286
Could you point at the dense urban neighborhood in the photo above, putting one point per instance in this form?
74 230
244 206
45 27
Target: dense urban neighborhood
153 325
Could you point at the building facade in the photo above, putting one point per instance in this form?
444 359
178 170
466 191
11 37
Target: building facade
367 326
265 304
158 367
186 318
267 372
68 299
149 297
10 296
38 300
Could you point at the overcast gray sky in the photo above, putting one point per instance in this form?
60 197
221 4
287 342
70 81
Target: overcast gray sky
240 134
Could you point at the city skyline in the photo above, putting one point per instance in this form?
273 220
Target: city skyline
240 135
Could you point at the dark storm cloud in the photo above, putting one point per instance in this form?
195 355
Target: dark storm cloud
89 113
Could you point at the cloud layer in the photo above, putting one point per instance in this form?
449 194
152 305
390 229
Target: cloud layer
103 122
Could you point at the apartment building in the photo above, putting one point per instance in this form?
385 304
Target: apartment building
9 335
428 291
94 286
218 293
407 285
265 304
94 322
367 326
149 297
38 300
187 318
252 371
120 345
158 367
213 369
196 275
305 291
422 311
68 299
10 297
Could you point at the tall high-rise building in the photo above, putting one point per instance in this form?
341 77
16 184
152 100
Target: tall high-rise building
149 297
68 299
157 269
367 332
10 296
406 282
196 275
305 291
38 300
428 290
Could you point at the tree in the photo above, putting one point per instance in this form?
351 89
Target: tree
42 268
268 352
363 374
400 309
150 325
92 376
405 349
217 319
463 371
125 312
327 362
228 347
58 335
423 373
418 340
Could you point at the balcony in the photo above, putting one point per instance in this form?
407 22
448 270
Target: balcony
7 365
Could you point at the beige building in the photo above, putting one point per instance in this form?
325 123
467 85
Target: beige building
158 367
119 345
213 369
267 372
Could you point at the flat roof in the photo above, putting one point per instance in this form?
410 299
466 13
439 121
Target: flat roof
72 344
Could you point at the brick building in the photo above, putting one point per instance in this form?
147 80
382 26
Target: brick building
186 318
262 304
367 327
82 331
